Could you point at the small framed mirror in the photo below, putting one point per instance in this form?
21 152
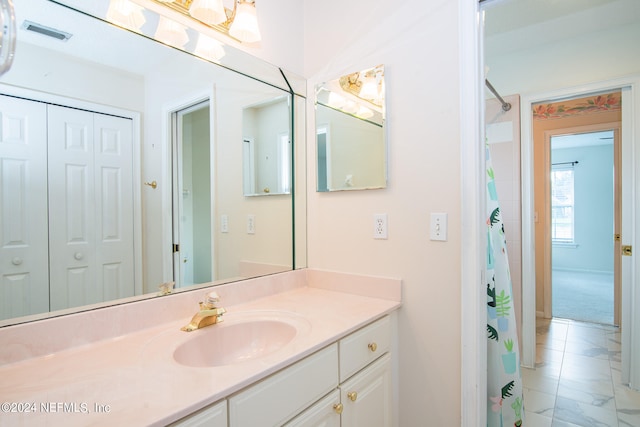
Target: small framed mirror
351 148
266 147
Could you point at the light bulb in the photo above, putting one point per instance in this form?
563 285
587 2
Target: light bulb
208 11
245 24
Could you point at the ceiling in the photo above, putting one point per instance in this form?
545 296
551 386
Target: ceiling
91 39
521 24
582 140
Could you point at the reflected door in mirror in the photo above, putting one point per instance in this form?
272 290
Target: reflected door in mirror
69 201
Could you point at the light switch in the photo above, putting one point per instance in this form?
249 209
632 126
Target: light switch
438 226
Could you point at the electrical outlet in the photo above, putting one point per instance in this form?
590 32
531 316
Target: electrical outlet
251 224
224 223
380 226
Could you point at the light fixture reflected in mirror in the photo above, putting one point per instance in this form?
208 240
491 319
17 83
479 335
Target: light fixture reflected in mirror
240 22
126 14
209 48
171 32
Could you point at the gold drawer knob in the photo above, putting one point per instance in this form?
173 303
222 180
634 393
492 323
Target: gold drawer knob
352 396
373 346
338 408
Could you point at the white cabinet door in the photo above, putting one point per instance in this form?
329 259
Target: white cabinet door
366 397
325 413
212 416
24 275
90 209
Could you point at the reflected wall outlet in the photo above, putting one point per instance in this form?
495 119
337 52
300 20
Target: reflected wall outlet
251 224
380 226
438 226
224 223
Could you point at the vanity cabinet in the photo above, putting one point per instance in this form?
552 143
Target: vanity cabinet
363 397
347 384
214 415
286 393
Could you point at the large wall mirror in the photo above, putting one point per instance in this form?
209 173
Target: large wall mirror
121 162
350 132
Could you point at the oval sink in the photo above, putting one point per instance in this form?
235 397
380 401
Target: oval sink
225 344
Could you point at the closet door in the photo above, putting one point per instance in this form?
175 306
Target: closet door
114 205
24 275
91 207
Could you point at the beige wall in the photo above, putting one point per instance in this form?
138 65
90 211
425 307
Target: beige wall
417 42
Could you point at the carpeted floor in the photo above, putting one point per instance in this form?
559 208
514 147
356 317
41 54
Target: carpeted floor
583 296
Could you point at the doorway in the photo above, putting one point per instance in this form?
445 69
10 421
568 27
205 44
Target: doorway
585 192
192 199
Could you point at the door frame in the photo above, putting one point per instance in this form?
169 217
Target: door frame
630 145
615 127
168 129
135 117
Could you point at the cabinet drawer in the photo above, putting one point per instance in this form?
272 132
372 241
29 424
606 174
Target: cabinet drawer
212 416
364 346
322 414
286 393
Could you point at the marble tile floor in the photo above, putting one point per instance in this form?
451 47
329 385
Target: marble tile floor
577 380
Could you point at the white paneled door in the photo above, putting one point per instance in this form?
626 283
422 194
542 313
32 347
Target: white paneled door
24 276
91 207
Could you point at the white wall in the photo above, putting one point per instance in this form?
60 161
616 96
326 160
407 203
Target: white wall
417 41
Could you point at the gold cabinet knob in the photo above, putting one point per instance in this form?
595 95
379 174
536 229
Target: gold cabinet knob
373 346
338 408
352 395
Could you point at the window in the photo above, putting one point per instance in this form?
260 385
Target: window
562 205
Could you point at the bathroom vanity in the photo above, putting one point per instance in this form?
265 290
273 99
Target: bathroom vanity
347 383
300 348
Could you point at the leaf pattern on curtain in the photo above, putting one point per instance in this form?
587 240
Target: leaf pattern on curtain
504 381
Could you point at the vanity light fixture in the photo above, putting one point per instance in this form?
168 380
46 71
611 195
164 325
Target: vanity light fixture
241 22
245 24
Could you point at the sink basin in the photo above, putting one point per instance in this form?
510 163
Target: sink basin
231 343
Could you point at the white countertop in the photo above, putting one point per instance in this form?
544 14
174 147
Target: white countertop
135 380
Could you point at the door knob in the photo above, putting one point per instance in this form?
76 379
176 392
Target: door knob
373 347
78 255
153 184
338 408
16 261
352 395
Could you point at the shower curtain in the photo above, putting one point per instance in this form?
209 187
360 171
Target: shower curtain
504 382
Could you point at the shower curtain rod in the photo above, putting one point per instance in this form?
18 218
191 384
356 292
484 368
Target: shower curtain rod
505 105
566 163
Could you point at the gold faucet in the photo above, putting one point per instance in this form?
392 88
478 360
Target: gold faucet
209 314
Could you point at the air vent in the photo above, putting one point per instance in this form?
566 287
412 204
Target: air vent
46 31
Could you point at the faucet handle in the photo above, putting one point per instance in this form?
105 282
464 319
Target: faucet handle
211 298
